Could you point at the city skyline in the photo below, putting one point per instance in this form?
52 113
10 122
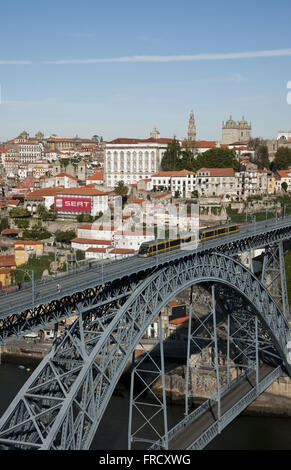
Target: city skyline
121 70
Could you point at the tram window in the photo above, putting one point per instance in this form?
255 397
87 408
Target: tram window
143 250
209 234
233 228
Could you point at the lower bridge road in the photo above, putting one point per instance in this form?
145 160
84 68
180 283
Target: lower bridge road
195 429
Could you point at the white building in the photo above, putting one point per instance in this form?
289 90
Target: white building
183 182
284 135
131 239
96 231
131 160
284 176
62 179
99 254
30 152
216 182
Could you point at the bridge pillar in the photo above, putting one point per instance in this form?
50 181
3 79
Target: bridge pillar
145 403
274 276
188 352
218 394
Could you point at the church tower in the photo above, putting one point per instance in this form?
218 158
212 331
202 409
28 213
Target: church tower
191 128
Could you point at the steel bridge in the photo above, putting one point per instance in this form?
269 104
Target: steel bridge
62 403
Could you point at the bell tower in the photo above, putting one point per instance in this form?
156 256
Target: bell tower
191 128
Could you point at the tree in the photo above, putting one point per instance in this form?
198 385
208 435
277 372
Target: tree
261 157
65 236
282 160
4 223
255 142
172 156
80 255
22 223
121 188
19 212
41 210
284 186
216 158
37 232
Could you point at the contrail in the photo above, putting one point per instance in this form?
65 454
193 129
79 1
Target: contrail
175 58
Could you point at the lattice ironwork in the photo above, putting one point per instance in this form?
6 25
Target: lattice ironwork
61 405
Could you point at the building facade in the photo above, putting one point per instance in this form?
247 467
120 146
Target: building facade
131 160
233 131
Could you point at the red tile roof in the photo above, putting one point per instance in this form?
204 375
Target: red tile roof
125 140
7 261
158 196
62 175
179 321
11 231
121 251
87 241
98 250
28 242
284 173
97 176
39 193
83 191
137 201
217 171
174 173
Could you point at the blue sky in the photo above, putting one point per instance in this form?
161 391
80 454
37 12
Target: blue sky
119 68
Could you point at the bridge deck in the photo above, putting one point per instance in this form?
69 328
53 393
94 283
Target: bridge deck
45 292
194 430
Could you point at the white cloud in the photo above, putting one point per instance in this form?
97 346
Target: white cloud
175 58
15 62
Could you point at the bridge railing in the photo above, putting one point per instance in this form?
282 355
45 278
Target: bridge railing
227 417
233 412
203 407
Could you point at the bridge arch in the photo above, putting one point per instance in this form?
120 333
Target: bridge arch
79 399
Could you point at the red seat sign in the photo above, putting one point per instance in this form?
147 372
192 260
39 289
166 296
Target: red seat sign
75 204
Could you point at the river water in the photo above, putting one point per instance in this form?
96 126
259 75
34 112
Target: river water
244 433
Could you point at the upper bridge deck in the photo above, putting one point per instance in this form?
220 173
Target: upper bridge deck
250 236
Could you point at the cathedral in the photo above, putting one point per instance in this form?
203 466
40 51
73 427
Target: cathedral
236 131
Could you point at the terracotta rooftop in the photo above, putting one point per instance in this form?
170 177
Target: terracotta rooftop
7 260
217 171
174 173
84 191
88 241
125 140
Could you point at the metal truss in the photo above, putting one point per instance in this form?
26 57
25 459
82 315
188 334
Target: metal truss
274 275
146 408
232 360
62 403
56 311
18 317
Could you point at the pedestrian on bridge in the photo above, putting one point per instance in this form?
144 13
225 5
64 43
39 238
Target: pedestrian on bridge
59 288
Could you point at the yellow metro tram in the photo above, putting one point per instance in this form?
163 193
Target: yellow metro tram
161 246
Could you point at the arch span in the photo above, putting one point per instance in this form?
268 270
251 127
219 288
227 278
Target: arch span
70 390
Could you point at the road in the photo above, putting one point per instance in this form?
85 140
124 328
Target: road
100 273
195 429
